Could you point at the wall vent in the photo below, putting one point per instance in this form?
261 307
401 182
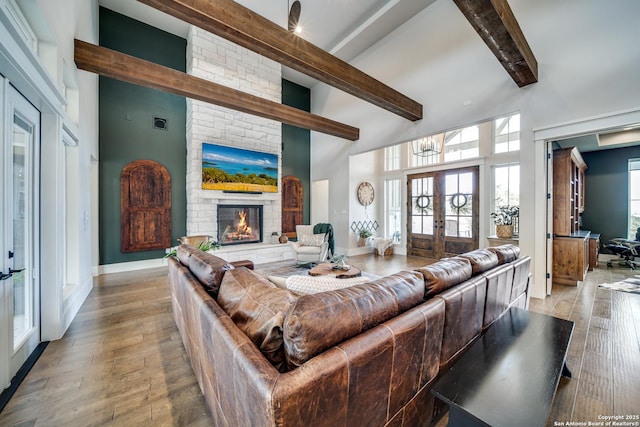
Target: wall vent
160 123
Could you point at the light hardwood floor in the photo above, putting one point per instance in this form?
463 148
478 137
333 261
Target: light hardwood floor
122 363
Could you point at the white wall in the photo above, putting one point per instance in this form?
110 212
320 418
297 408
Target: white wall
588 66
40 79
364 168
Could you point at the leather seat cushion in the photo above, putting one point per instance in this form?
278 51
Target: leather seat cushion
309 249
481 260
506 253
209 269
444 274
257 307
317 322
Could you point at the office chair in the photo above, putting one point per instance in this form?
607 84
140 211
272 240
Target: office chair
626 249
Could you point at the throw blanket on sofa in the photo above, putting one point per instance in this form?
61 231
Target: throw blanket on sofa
305 285
326 229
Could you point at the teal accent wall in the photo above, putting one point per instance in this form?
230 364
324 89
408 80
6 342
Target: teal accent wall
607 191
296 142
126 129
126 133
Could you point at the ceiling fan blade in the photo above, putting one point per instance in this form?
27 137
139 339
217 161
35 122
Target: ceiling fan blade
294 15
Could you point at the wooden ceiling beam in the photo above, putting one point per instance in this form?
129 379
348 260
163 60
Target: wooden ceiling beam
240 25
494 21
120 66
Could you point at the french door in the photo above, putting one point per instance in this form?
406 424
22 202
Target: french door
442 213
19 191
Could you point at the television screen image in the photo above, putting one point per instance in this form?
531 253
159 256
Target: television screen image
236 169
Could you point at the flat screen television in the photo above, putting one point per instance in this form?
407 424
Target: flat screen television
238 170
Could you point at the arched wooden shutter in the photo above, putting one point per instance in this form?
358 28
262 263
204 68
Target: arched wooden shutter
145 206
291 204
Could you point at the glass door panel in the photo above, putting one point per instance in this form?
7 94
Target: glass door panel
22 290
459 204
422 205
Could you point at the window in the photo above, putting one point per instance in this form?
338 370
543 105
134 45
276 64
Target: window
458 144
461 144
634 197
506 133
506 179
392 158
393 209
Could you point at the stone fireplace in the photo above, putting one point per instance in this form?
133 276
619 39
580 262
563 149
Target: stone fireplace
218 60
239 224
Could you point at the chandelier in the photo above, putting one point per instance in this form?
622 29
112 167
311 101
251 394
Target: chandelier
426 146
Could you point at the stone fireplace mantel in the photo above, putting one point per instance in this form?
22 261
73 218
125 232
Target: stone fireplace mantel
259 253
250 73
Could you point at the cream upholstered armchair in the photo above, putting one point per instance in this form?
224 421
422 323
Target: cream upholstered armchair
310 248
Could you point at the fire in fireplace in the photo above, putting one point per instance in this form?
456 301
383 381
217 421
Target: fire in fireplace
239 224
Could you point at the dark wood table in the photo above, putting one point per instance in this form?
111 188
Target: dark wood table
509 376
327 268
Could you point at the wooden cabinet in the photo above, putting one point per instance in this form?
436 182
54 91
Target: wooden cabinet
568 190
570 258
571 246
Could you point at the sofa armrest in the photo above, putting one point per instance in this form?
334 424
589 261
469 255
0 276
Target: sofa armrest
294 245
243 263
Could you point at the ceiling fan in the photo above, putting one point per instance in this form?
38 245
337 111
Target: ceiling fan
294 17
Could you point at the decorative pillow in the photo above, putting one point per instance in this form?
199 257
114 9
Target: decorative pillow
312 240
317 322
257 307
444 274
209 269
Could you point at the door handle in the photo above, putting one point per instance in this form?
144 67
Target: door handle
4 276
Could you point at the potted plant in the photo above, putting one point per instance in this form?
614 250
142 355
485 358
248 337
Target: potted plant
209 245
504 219
340 262
363 235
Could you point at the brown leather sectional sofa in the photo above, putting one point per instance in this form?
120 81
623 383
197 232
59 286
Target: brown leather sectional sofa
361 356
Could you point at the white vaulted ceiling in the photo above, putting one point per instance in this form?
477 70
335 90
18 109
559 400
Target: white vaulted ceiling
344 28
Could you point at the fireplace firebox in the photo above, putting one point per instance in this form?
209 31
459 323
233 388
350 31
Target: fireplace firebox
239 224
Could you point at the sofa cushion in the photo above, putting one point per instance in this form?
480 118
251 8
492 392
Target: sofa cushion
257 307
312 240
481 260
444 274
317 322
209 269
506 253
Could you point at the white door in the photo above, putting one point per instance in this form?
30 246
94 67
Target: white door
19 253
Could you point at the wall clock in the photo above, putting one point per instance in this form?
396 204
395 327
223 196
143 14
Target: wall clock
365 193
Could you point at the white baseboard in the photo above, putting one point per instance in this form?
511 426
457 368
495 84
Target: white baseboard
131 266
363 250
